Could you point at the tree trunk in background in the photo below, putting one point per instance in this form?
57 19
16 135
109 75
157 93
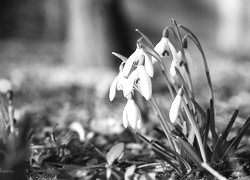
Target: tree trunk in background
233 26
86 42
53 25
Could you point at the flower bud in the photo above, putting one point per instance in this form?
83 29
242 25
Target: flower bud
165 33
175 107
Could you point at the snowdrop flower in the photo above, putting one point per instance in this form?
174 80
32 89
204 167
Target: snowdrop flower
118 83
163 47
134 58
142 79
188 58
175 107
131 114
176 63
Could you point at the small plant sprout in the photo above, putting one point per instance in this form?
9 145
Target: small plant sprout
115 153
78 128
188 149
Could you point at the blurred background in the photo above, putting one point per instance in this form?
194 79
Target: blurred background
54 44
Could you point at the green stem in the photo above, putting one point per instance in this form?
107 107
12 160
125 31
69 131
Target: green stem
213 172
196 131
164 125
149 165
167 79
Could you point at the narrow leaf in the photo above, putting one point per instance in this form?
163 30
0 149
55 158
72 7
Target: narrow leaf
164 156
229 126
199 108
240 135
4 111
206 127
171 153
216 149
236 140
115 152
193 154
212 123
143 138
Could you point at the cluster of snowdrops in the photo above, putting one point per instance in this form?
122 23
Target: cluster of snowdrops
135 74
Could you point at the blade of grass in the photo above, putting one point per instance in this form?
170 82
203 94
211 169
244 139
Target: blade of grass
4 111
199 108
196 131
163 156
212 123
237 139
193 154
241 134
206 128
229 126
171 153
143 138
198 169
216 149
213 172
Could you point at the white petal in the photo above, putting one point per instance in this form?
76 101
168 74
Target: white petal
129 63
121 82
128 86
173 50
175 109
125 117
145 83
161 46
179 57
182 68
139 124
173 72
172 69
133 113
148 65
112 90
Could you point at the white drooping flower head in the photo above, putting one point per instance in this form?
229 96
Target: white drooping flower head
134 58
188 58
141 79
162 47
131 114
118 84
